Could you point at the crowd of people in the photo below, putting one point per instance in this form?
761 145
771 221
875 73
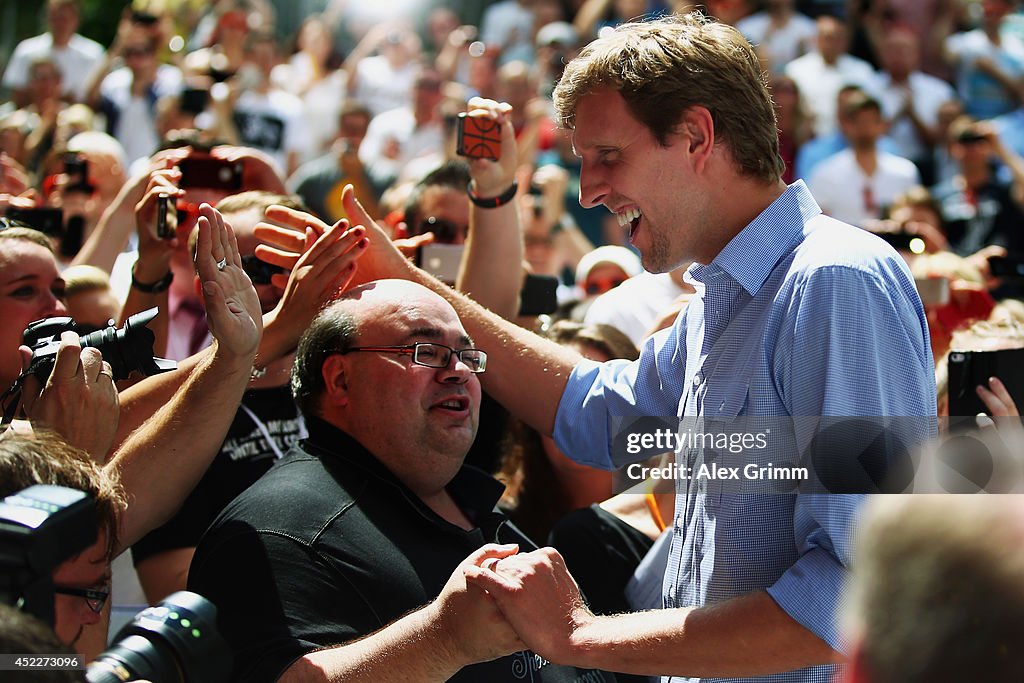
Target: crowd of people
413 363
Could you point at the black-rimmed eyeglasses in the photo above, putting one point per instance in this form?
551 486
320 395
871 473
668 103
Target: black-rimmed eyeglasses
433 355
95 597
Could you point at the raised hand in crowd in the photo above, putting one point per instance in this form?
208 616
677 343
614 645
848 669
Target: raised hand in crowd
161 462
321 261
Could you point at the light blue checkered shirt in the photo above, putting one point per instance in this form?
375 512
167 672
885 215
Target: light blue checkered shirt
799 315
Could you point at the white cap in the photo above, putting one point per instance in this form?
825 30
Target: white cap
559 32
619 256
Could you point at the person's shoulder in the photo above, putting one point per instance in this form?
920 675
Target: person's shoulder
804 23
919 80
33 46
837 163
834 246
117 79
295 495
898 165
802 65
855 66
86 46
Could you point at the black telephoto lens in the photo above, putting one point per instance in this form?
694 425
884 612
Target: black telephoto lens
174 642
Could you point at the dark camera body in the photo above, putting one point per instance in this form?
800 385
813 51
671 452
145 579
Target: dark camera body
194 100
173 642
903 241
259 271
166 216
41 527
127 349
211 173
1009 267
76 168
50 221
539 295
45 219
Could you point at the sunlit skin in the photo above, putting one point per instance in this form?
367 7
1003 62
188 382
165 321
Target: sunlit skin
624 167
88 569
31 288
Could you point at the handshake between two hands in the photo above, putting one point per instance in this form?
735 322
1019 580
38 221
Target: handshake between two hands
499 601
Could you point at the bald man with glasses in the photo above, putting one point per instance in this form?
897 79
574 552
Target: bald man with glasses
345 561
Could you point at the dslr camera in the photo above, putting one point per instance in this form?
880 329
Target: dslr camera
127 349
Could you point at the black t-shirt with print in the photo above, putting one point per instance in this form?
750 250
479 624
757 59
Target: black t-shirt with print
243 458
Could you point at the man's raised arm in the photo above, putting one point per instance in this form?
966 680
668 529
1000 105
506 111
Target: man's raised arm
526 373
162 461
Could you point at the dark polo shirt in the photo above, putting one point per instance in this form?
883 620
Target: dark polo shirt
329 546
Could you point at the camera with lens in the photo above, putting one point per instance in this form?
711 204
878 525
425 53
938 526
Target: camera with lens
176 641
127 349
173 642
40 527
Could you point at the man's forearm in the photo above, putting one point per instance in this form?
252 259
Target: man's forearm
745 636
109 237
412 648
492 266
161 462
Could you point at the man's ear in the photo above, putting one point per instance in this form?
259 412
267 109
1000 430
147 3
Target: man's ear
697 130
335 375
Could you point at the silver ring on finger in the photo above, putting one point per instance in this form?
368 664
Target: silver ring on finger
222 264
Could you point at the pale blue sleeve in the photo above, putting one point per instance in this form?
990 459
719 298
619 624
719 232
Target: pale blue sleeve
598 393
855 344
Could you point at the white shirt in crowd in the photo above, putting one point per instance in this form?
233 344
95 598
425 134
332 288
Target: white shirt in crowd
845 192
76 62
781 45
382 88
136 124
928 94
820 83
393 140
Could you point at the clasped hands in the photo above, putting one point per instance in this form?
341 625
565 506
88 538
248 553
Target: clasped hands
499 601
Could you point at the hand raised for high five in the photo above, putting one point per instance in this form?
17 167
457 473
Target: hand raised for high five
232 305
321 263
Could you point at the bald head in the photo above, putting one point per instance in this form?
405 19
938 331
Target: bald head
936 591
391 365
337 327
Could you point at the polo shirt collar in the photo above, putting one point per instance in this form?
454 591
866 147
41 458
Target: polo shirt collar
473 489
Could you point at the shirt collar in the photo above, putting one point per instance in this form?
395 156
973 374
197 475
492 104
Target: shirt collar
754 252
475 491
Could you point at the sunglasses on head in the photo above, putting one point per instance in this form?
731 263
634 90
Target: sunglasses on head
602 285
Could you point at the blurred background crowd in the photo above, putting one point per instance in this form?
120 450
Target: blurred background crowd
904 117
